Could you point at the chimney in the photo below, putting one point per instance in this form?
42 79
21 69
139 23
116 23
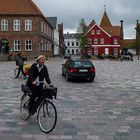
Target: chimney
122 36
137 21
92 23
137 25
137 38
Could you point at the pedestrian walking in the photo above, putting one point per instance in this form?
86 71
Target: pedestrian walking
20 63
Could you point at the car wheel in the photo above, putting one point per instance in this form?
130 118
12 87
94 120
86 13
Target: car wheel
91 79
67 77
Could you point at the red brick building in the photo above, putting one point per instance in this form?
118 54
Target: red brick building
104 39
24 28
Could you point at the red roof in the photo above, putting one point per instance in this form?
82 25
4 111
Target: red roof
105 20
107 26
19 7
113 30
129 43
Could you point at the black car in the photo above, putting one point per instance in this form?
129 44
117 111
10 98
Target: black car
78 69
67 56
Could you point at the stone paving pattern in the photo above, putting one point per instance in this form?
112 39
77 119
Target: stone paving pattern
106 109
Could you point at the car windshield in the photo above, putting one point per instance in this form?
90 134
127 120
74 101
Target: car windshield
82 64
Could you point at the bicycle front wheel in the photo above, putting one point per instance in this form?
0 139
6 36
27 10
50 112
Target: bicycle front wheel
24 107
47 116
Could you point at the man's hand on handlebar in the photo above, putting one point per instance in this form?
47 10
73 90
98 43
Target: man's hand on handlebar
37 83
51 85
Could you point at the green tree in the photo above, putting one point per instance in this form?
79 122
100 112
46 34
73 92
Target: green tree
81 36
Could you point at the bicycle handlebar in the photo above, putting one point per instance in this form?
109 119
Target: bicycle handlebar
42 82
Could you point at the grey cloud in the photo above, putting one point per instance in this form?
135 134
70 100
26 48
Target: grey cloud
71 11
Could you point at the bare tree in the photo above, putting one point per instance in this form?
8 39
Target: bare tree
137 38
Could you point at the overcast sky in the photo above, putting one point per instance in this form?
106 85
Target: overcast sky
69 12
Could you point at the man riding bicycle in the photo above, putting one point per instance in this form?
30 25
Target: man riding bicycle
38 72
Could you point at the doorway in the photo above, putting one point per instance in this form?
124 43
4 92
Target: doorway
4 46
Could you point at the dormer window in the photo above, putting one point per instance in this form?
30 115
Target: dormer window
98 32
92 32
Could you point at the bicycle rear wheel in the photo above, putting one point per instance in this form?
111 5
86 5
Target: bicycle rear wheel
16 72
24 107
47 116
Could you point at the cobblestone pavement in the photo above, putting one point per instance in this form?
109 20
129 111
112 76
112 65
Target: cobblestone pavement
106 109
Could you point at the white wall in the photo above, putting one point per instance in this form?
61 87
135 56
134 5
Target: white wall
72 48
56 42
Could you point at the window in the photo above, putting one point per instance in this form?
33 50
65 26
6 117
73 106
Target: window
42 27
98 32
4 25
16 25
95 40
49 48
77 43
92 32
42 46
17 45
28 45
45 45
28 25
45 29
68 44
96 51
115 41
72 51
77 51
102 41
72 43
89 41
68 51
115 51
82 63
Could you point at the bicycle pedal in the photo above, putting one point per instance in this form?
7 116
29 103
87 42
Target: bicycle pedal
26 106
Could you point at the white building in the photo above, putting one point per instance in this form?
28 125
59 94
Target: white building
71 43
53 22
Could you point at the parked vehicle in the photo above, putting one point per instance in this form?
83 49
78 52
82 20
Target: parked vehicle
67 56
126 55
78 69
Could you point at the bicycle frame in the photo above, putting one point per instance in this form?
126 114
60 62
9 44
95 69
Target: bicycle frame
44 107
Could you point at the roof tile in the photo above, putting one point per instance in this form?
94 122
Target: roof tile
19 7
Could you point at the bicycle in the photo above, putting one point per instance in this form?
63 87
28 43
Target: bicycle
46 110
26 68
